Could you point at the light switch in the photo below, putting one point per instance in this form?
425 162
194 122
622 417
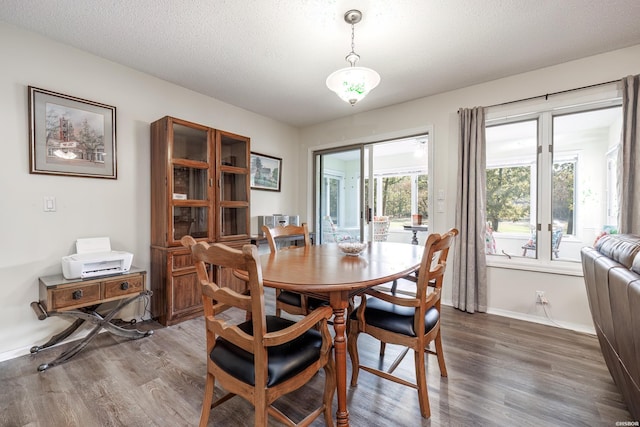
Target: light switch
440 194
49 204
440 206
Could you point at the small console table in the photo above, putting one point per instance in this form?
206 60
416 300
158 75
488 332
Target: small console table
415 229
79 300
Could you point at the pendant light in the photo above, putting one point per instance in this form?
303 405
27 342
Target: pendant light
353 83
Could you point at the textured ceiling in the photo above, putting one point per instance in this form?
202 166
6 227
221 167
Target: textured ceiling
272 56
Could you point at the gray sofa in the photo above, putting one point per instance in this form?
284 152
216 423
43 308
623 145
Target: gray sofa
612 277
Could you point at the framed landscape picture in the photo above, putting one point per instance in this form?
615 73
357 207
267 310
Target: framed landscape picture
71 136
266 172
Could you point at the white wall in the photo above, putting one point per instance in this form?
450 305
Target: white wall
33 240
511 292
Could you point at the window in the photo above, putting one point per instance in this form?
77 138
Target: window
550 180
333 185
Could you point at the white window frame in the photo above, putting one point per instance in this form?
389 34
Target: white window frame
577 101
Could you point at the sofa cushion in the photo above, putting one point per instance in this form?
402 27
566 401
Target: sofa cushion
622 248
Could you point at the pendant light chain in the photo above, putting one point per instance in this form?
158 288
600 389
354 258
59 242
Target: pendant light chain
353 57
353 38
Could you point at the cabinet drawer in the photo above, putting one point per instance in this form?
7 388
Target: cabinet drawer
75 296
122 286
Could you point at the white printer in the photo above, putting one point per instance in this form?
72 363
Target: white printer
94 257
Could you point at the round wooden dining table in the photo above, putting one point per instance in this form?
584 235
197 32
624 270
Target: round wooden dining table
323 271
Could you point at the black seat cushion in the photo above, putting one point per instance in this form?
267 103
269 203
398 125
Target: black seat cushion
293 298
394 318
285 360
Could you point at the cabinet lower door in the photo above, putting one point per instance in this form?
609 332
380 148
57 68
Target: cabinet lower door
174 282
186 298
176 291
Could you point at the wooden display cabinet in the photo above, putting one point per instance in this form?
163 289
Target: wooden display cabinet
199 187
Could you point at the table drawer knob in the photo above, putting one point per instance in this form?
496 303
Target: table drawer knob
124 286
77 294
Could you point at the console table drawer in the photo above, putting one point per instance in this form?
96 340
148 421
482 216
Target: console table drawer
75 296
118 287
60 294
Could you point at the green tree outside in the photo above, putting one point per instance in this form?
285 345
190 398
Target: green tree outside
508 195
563 201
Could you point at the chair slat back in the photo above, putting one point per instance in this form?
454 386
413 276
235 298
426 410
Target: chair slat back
216 294
276 233
434 261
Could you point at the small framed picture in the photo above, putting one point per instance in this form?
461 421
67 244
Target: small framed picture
266 172
71 136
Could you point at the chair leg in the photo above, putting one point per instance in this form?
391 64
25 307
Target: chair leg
399 358
383 346
394 288
329 391
421 382
352 348
261 412
440 355
207 400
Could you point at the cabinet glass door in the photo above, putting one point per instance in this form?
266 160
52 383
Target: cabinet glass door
234 221
188 220
233 187
190 143
233 176
233 150
190 182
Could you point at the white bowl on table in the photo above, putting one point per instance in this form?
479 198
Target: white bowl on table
352 248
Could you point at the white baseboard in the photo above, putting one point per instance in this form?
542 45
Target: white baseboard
12 354
537 319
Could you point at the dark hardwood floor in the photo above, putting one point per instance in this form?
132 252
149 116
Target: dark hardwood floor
501 372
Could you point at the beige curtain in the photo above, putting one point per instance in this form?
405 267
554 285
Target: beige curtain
469 262
629 193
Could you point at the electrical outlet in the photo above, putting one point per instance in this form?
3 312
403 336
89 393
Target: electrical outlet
540 298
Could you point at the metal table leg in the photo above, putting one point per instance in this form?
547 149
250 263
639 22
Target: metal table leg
89 314
58 337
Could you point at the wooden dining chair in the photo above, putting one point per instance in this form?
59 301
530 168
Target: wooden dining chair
263 358
409 321
291 302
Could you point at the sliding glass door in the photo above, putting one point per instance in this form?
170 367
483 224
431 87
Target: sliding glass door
338 193
371 191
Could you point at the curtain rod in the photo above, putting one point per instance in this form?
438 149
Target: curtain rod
546 96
